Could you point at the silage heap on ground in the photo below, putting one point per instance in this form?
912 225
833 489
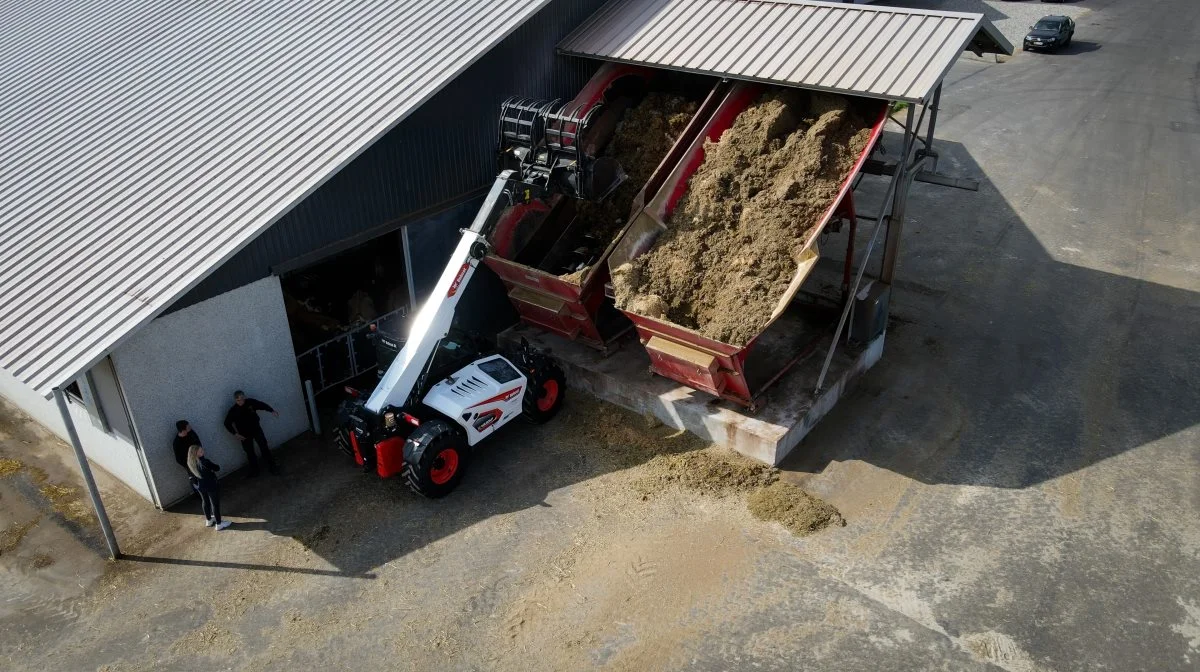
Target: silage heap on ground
734 240
717 472
795 509
661 458
9 466
641 140
712 471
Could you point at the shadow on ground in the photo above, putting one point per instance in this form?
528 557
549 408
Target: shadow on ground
1061 367
356 521
1076 47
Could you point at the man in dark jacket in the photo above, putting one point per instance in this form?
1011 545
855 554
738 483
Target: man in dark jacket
185 437
242 422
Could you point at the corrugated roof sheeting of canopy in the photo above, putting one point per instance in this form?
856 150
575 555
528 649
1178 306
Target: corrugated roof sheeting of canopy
881 52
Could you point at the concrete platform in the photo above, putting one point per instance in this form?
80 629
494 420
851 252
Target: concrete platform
790 410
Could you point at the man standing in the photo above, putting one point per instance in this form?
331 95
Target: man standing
185 437
242 422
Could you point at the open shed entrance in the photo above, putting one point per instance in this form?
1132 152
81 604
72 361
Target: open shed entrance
336 307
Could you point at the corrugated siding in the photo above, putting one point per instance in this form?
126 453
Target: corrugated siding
880 52
437 156
484 306
144 142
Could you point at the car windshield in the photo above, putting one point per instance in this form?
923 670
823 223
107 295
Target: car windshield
1046 25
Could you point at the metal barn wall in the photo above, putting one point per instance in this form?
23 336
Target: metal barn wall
437 157
483 307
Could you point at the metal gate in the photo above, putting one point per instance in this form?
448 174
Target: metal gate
351 354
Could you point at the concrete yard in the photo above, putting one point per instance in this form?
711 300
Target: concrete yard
1019 474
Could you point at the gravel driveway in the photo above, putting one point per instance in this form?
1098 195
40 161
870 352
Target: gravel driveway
1011 18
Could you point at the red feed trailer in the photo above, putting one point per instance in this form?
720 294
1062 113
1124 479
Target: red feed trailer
579 312
686 356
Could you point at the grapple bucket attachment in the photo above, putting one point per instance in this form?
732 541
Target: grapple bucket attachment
543 140
523 127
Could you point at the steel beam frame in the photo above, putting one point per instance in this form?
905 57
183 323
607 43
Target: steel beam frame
913 164
114 551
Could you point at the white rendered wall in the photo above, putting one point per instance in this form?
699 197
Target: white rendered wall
186 366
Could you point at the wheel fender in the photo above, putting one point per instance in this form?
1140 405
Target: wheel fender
419 440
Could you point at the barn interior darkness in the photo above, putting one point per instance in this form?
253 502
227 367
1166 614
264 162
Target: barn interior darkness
344 291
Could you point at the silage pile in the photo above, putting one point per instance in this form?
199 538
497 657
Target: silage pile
799 512
733 243
641 140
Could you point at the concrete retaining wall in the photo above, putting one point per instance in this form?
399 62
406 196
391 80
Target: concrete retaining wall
186 365
790 412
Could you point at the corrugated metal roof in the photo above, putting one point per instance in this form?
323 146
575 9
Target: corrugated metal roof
143 142
880 52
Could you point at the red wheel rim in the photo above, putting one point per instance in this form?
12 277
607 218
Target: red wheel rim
444 466
549 395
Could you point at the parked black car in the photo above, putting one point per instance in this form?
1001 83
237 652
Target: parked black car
1050 32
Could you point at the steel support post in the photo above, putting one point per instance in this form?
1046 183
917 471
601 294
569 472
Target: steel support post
114 551
933 115
895 225
312 407
408 272
320 367
880 220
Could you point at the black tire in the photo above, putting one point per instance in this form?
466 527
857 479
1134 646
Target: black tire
546 392
435 457
341 439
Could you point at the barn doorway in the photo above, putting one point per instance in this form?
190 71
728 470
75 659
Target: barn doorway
338 304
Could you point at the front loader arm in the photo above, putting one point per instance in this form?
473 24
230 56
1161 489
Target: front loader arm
434 319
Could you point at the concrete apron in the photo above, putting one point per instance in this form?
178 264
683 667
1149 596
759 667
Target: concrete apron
789 413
